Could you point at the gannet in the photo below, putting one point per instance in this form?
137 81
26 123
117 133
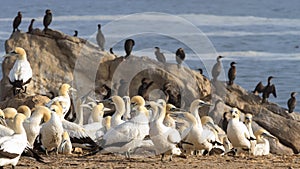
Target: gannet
33 124
164 138
11 147
217 68
66 145
138 104
168 120
126 115
63 98
262 146
51 131
248 123
24 110
10 114
128 135
231 73
116 118
237 132
2 118
100 38
17 21
21 73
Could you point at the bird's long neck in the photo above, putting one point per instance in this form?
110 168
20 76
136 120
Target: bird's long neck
194 111
18 126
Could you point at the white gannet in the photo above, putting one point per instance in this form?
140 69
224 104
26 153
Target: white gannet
33 124
10 114
138 104
24 110
116 118
66 145
63 98
262 146
248 123
21 73
126 115
128 135
168 120
237 132
51 131
164 138
4 129
100 38
11 147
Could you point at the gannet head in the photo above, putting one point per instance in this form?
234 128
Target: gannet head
19 52
235 113
65 88
248 118
137 100
24 110
10 112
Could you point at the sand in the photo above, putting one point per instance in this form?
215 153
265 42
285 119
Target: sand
117 161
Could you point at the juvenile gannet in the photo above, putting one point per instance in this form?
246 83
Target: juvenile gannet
217 68
266 90
21 73
231 73
116 118
180 56
164 138
11 147
10 114
63 97
128 46
47 19
262 146
159 55
66 145
17 21
292 102
51 131
237 132
100 38
33 124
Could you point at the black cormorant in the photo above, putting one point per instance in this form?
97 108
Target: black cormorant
128 45
265 90
159 56
30 27
231 73
292 102
47 19
180 56
17 21
75 33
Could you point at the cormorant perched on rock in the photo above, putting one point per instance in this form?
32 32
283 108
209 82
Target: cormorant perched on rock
17 21
100 38
216 70
47 19
180 56
145 84
30 27
128 45
231 73
292 102
172 94
111 51
266 90
200 71
159 56
75 33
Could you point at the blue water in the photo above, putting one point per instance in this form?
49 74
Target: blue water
261 36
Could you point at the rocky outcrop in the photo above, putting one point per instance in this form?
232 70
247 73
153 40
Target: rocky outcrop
57 58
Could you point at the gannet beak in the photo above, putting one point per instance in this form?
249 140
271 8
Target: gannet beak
72 89
106 109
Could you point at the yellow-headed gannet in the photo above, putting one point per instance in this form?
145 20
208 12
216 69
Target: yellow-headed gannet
66 145
116 118
10 114
262 146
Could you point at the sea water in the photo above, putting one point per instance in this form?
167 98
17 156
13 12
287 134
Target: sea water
261 36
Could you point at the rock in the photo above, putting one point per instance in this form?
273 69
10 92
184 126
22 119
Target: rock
58 58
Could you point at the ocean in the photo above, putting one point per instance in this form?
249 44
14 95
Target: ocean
263 37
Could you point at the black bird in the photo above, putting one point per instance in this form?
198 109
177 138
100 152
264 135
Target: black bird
105 91
145 84
111 51
75 33
200 71
265 90
159 56
30 27
17 21
216 70
128 45
231 73
180 56
47 18
173 95
292 102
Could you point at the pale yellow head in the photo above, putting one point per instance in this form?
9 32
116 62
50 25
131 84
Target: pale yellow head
18 123
138 100
248 118
24 110
64 89
21 53
65 136
107 122
10 113
44 112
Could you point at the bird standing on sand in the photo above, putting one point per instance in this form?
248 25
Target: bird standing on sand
180 56
30 27
100 38
292 102
266 90
75 33
128 46
160 56
231 73
47 19
17 21
21 73
216 70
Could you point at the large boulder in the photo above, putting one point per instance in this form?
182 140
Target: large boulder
57 58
